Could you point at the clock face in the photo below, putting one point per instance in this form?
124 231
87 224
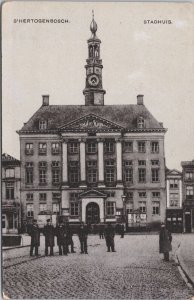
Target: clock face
93 80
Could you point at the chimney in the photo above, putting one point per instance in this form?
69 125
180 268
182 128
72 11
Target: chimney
45 100
139 99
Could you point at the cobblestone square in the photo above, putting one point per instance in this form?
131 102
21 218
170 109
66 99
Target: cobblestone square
135 271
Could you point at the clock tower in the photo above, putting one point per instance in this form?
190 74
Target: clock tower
93 92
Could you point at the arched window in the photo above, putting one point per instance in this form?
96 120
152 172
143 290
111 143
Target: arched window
140 122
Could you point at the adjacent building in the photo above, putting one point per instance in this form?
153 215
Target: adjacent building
94 163
188 195
10 194
174 210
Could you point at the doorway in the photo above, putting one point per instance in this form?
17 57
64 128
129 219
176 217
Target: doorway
92 213
188 221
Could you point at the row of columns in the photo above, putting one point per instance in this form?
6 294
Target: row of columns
100 162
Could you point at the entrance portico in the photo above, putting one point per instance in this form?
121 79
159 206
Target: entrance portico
93 206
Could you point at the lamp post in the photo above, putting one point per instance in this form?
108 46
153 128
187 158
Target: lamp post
123 197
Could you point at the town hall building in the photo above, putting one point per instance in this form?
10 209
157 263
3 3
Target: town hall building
94 163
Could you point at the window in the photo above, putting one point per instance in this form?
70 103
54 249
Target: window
56 208
42 164
110 208
29 149
128 175
29 173
155 162
174 183
142 194
74 209
130 207
74 164
42 197
55 148
109 147
56 197
154 147
73 196
30 210
140 122
92 175
142 206
109 163
129 195
10 190
9 173
156 194
128 146
42 176
73 147
110 194
155 175
141 147
188 175
29 197
91 147
189 190
55 172
42 125
142 175
110 175
74 176
42 148
174 199
42 207
142 162
92 164
156 208
3 221
127 163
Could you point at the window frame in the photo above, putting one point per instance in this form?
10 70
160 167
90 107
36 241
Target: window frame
42 150
30 212
43 124
55 150
110 208
142 177
141 146
155 148
29 150
155 175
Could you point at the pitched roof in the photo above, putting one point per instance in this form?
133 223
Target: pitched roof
8 159
123 115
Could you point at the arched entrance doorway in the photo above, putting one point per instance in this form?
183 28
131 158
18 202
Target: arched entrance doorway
92 213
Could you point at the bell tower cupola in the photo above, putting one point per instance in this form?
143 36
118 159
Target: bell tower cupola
93 92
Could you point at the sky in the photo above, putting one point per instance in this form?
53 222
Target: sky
139 57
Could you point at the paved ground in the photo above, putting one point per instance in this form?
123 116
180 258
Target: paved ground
186 255
135 271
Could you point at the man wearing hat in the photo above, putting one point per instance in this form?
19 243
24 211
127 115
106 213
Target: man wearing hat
83 236
49 233
35 238
109 237
62 237
165 239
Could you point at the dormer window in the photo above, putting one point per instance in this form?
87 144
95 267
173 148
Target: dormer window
140 122
42 125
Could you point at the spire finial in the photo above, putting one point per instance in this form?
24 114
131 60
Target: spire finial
93 25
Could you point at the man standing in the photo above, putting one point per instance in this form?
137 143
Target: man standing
70 238
62 242
165 239
34 232
83 236
49 233
101 231
109 237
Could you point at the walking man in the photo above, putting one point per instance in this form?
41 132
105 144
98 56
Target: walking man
83 236
165 239
49 233
62 242
109 237
35 238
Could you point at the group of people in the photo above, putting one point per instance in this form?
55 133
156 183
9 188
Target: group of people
65 238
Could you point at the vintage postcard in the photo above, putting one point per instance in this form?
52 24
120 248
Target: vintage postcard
98 150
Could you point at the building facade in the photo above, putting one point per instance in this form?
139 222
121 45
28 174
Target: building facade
94 163
10 194
174 210
188 195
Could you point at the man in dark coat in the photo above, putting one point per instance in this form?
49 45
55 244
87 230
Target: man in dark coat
34 232
62 238
109 234
70 238
165 239
122 230
83 236
49 233
101 231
